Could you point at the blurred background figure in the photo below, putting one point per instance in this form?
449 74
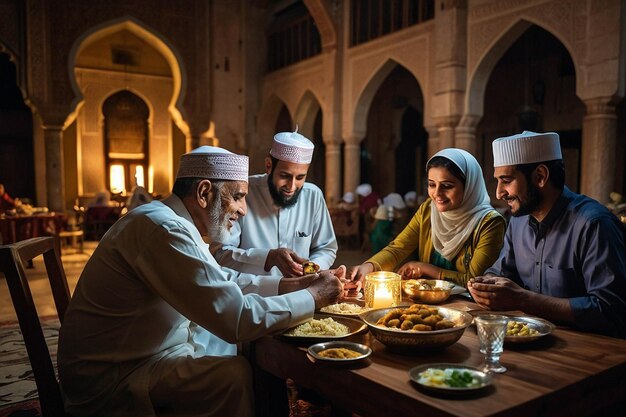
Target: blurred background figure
138 197
410 199
367 198
348 201
400 212
6 202
382 233
102 199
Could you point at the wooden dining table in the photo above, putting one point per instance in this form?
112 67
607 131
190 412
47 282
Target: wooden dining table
566 373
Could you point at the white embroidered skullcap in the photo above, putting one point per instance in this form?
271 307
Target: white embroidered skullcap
348 197
525 148
292 147
213 163
411 196
394 200
364 190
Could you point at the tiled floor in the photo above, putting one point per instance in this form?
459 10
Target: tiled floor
74 263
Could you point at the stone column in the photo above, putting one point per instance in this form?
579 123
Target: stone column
597 176
333 173
352 163
445 131
55 178
465 134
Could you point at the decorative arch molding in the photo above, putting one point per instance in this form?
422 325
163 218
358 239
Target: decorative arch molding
367 93
14 59
306 112
321 12
490 40
268 115
154 39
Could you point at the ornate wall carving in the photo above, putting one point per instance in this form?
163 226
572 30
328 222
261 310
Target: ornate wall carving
488 22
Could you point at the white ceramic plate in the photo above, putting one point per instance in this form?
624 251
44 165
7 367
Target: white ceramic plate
335 309
482 379
355 326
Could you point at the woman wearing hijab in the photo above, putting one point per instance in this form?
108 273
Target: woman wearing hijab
456 231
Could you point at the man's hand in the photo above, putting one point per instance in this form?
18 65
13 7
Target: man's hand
287 261
496 293
326 289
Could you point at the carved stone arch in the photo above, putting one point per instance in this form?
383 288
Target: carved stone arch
364 101
478 79
320 10
154 39
136 92
13 57
306 112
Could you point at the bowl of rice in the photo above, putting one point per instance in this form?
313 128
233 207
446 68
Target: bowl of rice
325 327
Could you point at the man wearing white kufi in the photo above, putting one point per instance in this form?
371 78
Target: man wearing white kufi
288 222
563 257
153 322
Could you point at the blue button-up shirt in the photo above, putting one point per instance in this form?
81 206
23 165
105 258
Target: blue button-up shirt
576 252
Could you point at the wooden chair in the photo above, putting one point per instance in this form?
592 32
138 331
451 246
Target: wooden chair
13 260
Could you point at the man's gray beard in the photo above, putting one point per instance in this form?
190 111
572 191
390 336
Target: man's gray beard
217 232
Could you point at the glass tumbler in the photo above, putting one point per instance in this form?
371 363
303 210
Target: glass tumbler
491 330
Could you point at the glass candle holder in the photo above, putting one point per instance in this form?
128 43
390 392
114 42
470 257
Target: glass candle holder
383 289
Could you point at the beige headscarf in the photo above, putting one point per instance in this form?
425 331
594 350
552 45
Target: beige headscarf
451 229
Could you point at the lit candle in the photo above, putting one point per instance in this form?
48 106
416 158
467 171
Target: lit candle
382 289
382 297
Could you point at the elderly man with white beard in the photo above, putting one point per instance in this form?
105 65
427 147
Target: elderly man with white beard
153 322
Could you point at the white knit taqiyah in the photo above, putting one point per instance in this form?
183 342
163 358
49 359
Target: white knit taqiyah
292 147
526 148
213 163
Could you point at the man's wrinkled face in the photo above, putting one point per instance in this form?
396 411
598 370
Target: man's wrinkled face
285 181
225 208
523 197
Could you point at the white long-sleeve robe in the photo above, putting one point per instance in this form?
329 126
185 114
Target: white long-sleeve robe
151 290
305 228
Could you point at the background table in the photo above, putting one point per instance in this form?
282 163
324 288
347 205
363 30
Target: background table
568 373
17 228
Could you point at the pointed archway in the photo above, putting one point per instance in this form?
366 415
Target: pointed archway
17 171
543 97
392 93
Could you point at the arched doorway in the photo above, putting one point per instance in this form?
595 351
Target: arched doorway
411 152
126 142
533 87
17 171
395 135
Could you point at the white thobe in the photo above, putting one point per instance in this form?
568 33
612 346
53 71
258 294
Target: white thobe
305 228
152 290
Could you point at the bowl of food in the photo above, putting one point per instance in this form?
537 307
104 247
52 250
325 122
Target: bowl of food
429 291
418 328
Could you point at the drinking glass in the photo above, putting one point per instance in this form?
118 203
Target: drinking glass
491 330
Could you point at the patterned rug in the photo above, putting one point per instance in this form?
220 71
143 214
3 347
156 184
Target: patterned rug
18 392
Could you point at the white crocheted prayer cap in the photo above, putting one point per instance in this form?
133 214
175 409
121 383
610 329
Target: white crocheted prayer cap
213 163
349 197
525 148
292 147
364 190
394 200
